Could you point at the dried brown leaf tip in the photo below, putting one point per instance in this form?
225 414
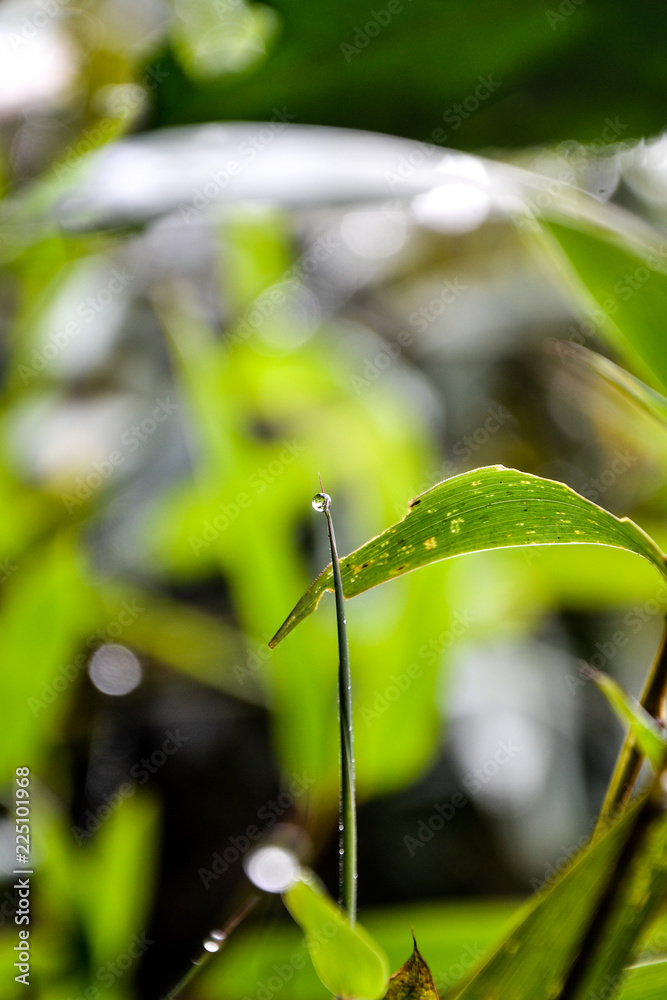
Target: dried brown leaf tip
413 981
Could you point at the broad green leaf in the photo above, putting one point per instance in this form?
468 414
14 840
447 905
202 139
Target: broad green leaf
488 508
413 981
346 958
646 982
628 285
532 962
648 735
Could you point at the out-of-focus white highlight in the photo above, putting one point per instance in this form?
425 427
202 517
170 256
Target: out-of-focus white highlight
374 234
462 202
114 669
272 869
36 66
452 208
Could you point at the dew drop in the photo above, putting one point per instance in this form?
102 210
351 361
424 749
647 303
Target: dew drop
212 946
321 502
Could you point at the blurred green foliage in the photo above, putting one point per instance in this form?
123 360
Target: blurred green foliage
160 450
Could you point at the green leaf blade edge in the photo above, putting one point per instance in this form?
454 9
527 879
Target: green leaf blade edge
488 508
648 735
347 959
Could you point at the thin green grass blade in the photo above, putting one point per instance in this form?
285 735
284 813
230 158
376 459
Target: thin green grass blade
533 962
492 507
629 761
652 403
648 735
646 982
347 819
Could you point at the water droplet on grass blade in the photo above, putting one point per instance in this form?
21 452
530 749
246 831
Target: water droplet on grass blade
321 502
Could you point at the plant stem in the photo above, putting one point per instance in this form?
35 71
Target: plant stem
630 758
215 937
618 885
348 810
